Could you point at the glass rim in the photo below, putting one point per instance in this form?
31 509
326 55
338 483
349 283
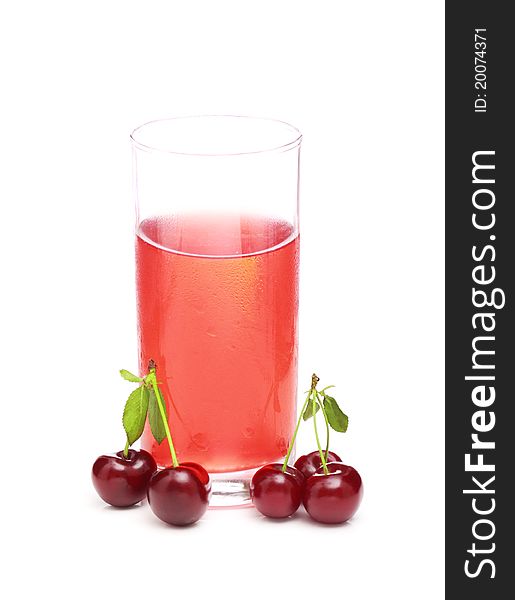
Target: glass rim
284 147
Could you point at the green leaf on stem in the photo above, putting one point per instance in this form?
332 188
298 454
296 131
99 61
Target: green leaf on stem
135 414
154 417
338 420
128 376
308 413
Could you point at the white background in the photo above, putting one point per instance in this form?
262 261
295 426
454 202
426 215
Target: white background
363 80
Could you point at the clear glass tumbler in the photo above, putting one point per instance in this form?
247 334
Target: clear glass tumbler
217 258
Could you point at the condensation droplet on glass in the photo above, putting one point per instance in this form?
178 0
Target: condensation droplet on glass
248 432
282 446
200 441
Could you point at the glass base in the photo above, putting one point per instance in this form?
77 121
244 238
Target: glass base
230 490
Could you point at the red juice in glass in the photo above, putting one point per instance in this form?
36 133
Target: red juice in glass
217 258
217 311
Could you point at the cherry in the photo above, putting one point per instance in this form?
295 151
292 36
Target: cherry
309 463
333 498
180 495
274 493
122 481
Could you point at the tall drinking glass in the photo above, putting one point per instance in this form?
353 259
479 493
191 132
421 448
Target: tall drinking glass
217 257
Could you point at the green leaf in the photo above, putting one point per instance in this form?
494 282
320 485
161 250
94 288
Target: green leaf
135 413
308 413
128 376
338 420
154 417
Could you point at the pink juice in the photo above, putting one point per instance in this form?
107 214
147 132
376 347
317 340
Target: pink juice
217 311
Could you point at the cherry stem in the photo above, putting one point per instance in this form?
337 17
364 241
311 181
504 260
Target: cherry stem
321 452
326 388
151 378
126 449
327 431
292 443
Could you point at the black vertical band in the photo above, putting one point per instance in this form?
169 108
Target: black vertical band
480 270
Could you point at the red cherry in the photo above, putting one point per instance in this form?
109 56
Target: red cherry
276 494
180 495
122 481
333 498
309 463
201 473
